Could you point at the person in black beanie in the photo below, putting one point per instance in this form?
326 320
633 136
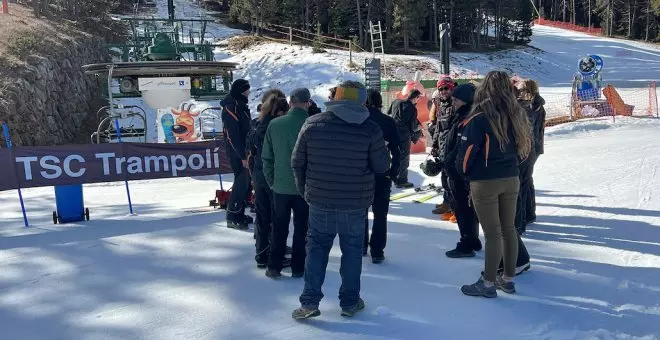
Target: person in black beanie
236 121
466 217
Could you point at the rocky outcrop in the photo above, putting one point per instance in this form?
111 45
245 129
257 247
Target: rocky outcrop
47 99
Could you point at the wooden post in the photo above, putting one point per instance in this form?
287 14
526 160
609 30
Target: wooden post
5 7
290 36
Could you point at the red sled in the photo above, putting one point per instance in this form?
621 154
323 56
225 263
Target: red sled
222 199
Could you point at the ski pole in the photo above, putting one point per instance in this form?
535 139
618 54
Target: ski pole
5 129
128 191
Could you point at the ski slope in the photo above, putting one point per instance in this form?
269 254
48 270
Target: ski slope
169 273
172 272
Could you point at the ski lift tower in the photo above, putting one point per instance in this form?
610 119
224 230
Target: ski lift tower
166 63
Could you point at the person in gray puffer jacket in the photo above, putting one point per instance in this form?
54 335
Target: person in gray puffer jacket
335 160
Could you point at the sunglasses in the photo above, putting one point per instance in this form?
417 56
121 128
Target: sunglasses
444 88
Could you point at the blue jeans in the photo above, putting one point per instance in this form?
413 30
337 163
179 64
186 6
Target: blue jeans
324 225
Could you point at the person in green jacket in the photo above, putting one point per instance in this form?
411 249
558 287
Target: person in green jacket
281 137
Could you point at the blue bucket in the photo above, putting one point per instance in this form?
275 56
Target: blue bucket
69 202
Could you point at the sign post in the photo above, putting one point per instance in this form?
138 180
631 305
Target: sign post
372 73
445 43
5 130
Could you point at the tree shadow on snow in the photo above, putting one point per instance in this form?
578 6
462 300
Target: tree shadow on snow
550 193
608 210
582 294
635 236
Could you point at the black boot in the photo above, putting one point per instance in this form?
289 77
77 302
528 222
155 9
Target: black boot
461 250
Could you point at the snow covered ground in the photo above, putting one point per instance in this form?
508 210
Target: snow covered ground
552 61
168 273
172 273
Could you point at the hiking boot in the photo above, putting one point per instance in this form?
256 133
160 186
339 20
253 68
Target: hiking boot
460 251
406 185
519 269
506 286
441 209
264 263
297 275
305 313
248 219
476 245
273 274
350 312
238 225
479 289
377 259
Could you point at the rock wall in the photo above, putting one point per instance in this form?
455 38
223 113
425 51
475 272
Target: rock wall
48 99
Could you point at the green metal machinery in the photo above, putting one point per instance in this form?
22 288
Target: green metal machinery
172 40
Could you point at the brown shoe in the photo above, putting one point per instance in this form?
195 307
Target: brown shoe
441 209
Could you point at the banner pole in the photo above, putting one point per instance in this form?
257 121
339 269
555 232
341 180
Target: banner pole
220 172
5 129
128 191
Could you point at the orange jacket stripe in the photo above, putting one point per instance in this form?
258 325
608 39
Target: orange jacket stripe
231 114
468 119
229 139
487 147
467 156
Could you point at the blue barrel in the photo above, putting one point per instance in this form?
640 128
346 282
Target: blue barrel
69 202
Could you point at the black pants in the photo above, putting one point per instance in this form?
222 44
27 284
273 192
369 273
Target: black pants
405 161
530 207
380 208
239 190
282 207
263 201
523 255
526 195
447 197
466 217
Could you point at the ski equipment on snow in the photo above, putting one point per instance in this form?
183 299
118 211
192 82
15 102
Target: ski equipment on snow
417 191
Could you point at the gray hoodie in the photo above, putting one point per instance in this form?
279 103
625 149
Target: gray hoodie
336 156
348 111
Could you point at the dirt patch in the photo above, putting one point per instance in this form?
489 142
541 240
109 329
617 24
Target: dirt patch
240 43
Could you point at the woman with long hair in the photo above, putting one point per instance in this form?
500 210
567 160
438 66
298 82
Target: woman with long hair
273 105
495 137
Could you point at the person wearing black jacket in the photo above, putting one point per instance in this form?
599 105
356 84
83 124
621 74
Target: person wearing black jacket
404 113
532 102
236 121
381 203
273 105
539 137
493 141
466 217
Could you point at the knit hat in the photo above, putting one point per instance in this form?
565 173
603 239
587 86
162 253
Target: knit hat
352 94
465 92
446 81
239 86
300 96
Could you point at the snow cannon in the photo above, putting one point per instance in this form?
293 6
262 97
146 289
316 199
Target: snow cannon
413 82
588 80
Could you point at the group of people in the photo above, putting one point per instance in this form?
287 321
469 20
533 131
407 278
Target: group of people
477 132
328 168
